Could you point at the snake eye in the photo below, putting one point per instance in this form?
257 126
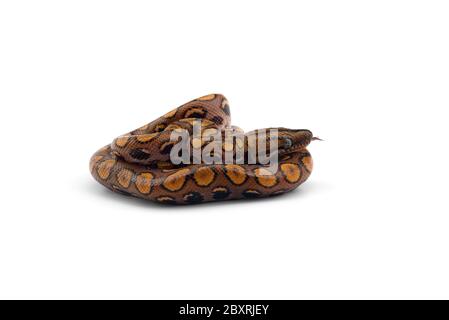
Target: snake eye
287 142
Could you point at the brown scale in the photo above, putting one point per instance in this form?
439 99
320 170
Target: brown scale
138 163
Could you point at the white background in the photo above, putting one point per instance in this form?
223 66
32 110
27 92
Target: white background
369 77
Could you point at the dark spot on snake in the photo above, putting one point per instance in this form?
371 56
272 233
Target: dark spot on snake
195 112
217 120
166 147
160 127
251 194
227 110
197 115
151 165
139 154
193 197
221 193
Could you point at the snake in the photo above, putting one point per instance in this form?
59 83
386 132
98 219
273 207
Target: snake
138 163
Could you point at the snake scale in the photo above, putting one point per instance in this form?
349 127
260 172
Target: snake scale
138 163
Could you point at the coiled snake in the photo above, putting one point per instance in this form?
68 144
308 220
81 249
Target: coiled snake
138 163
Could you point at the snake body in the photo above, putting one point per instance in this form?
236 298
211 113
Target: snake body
138 163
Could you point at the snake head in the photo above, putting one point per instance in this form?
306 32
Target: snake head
292 140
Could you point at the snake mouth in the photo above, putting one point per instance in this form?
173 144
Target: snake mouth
294 148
